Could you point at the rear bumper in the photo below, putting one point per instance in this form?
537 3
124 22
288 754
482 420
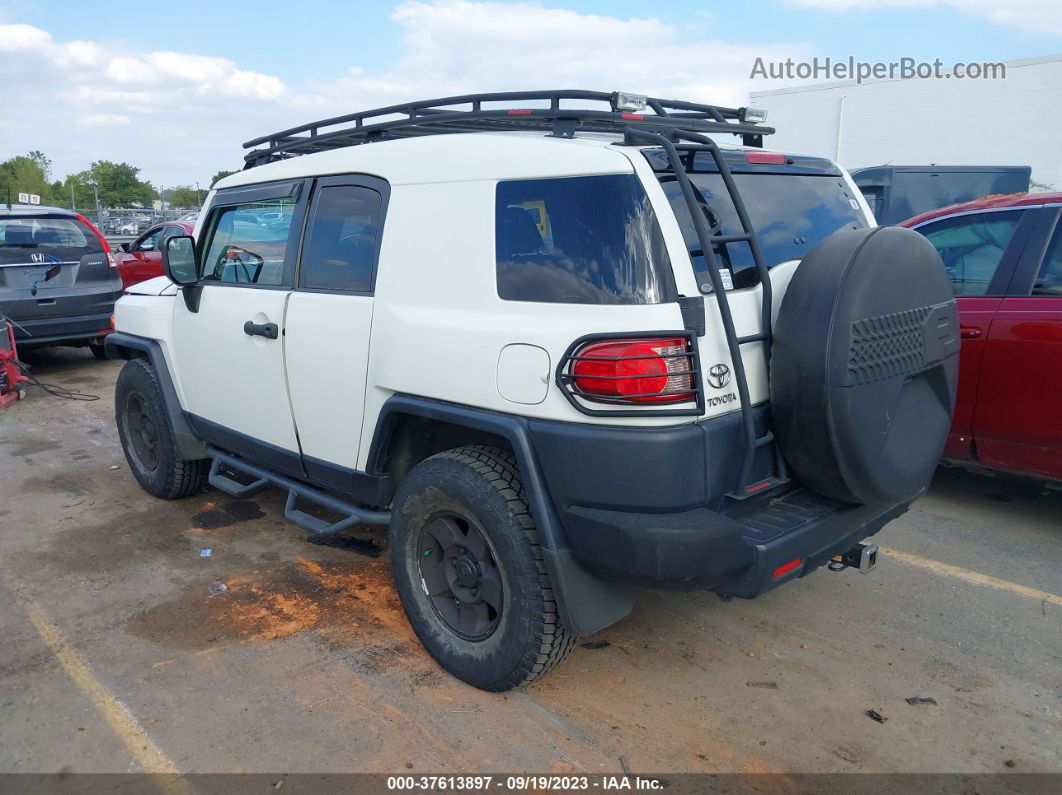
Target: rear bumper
52 330
649 506
706 549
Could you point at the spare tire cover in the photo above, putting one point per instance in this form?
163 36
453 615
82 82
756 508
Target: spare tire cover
864 366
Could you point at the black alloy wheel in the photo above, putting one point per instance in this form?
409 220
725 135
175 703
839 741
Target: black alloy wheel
461 575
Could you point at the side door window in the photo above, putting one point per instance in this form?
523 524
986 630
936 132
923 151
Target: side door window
1049 278
248 243
341 241
972 247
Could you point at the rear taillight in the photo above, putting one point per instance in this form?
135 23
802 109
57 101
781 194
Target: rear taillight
111 261
657 370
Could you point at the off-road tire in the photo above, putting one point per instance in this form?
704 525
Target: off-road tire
482 484
171 477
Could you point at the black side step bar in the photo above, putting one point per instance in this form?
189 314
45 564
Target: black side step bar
352 514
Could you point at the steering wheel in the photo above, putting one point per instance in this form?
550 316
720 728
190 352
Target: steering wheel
241 258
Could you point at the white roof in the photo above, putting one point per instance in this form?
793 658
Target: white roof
454 157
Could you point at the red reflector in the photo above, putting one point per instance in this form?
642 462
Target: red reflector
757 487
765 158
519 113
785 569
632 116
634 371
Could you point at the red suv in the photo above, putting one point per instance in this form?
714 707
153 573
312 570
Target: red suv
1004 259
142 259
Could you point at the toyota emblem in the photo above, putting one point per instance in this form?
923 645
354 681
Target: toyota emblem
718 375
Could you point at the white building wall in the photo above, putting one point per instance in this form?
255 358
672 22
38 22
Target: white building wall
1016 121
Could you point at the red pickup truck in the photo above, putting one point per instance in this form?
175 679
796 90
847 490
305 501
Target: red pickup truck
1004 258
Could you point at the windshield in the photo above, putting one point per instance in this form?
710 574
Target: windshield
791 214
39 240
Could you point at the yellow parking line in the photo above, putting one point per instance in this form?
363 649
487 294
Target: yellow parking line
117 715
972 576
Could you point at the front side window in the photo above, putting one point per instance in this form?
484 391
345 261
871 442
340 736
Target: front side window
1049 279
580 240
972 247
340 247
247 243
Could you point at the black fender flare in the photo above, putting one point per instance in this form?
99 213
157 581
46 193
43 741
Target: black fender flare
120 345
587 602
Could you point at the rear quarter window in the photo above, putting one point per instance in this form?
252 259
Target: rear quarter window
580 240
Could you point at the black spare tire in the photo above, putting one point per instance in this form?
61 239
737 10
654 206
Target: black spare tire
864 366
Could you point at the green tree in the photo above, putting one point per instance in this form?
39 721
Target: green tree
25 174
220 176
182 197
116 184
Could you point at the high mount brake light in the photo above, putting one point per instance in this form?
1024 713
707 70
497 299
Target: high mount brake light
657 370
765 158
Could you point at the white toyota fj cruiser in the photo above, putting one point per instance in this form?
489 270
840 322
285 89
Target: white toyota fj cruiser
562 343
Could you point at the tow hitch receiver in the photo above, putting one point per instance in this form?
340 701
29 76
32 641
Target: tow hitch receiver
862 556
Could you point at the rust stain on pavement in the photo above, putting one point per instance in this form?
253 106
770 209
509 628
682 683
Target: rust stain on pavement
351 604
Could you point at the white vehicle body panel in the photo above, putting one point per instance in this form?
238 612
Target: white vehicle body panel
435 326
227 376
326 347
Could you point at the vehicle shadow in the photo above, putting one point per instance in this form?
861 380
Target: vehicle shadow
1016 496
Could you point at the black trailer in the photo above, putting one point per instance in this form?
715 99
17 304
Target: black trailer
896 193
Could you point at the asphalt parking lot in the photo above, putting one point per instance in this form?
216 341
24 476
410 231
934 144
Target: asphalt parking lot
117 657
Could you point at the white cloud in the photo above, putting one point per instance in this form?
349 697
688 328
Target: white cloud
22 38
182 116
205 74
1032 16
103 119
458 46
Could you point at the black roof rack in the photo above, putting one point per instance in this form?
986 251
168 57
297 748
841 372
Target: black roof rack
467 114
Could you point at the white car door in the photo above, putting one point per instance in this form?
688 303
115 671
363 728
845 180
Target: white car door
329 318
228 336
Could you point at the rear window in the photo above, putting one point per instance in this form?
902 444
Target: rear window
791 214
580 240
35 240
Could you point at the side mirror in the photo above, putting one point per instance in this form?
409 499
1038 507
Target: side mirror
178 260
124 247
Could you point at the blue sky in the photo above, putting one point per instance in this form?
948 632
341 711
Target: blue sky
311 39
176 89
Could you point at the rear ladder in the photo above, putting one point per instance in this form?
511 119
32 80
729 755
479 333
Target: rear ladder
702 143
